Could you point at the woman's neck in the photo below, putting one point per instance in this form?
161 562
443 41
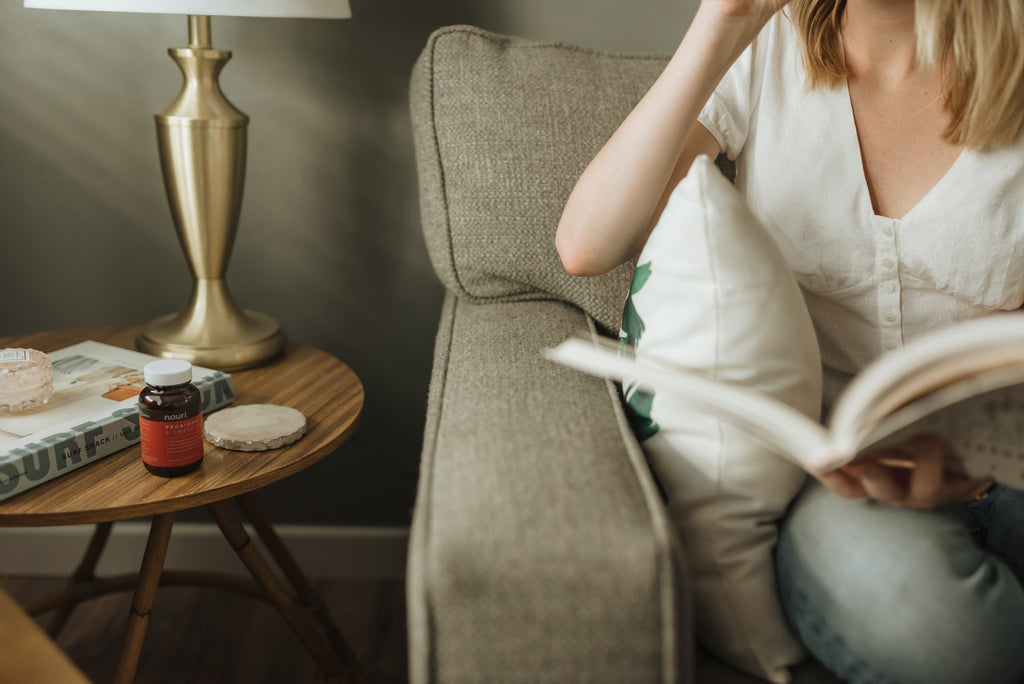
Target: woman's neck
897 105
879 40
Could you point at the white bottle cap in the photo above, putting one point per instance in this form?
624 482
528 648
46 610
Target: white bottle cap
167 372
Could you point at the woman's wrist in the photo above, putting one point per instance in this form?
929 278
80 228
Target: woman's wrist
716 39
733 30
982 492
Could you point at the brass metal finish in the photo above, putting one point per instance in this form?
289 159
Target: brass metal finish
202 142
199 31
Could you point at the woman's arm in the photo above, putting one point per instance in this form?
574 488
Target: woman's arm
620 195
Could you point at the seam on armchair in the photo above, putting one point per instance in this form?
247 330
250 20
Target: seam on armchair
422 663
431 89
676 624
676 633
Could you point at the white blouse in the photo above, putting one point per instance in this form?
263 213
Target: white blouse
870 281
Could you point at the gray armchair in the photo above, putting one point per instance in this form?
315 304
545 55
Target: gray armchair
540 548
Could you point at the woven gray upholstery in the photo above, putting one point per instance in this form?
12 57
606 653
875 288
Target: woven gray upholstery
540 550
502 137
527 564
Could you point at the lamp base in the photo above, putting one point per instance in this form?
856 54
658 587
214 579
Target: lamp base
213 331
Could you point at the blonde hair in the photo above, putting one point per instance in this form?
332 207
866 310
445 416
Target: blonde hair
979 44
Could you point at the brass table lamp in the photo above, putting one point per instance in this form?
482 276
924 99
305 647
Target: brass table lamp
202 141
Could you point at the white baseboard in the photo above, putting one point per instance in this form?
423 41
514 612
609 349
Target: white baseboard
322 551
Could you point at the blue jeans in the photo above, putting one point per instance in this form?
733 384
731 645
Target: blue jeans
881 594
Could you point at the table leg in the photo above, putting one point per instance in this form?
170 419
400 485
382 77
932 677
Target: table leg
85 572
145 593
240 541
307 594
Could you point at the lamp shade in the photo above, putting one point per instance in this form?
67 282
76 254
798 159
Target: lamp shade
314 9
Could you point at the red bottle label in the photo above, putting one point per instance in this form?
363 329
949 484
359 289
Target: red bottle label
172 443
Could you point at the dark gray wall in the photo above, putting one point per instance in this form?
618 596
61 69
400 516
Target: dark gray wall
329 240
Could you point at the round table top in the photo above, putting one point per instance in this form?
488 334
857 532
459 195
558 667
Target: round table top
118 487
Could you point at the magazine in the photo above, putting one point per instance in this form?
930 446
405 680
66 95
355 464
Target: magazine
963 384
93 413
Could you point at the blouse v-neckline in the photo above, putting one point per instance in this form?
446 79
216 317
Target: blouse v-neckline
852 134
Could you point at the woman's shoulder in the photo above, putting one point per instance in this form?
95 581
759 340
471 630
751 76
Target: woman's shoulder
1004 161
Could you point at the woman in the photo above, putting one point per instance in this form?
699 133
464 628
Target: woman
880 142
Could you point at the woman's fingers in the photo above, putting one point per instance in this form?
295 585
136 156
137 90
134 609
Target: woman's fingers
882 484
842 484
928 479
910 476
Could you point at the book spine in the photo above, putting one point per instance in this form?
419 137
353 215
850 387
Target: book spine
62 452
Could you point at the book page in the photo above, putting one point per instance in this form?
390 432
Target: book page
786 430
983 433
964 384
947 365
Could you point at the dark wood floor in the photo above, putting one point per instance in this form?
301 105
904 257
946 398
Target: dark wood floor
213 636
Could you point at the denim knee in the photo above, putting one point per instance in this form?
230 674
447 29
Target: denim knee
997 524
881 594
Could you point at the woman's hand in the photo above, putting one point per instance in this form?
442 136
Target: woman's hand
912 475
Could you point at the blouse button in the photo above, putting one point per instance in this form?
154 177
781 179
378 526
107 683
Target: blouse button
888 263
887 230
890 317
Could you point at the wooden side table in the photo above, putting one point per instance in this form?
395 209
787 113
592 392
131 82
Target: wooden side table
118 487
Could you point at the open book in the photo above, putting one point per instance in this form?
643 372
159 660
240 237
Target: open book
964 384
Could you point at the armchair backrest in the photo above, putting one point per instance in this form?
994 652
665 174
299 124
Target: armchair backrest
503 127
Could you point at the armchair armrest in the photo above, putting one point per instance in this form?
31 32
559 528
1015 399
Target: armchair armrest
540 551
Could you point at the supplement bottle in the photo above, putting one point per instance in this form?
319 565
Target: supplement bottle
170 419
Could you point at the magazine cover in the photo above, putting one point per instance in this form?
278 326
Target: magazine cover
93 413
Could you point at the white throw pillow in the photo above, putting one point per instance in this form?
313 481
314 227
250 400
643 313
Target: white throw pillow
713 293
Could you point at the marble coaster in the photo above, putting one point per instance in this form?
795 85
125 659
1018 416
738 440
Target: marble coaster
254 427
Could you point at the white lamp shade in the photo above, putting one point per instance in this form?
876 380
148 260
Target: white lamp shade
315 9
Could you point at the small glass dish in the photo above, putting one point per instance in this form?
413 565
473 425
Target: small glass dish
26 380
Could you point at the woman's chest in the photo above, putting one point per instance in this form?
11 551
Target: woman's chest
803 174
902 160
899 127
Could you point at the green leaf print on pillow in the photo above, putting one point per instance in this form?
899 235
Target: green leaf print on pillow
632 324
638 402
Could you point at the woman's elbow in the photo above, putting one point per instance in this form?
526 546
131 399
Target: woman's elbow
576 258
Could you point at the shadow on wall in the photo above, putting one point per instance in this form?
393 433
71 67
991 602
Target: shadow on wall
377 300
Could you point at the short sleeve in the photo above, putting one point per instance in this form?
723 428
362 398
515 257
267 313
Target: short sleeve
728 112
